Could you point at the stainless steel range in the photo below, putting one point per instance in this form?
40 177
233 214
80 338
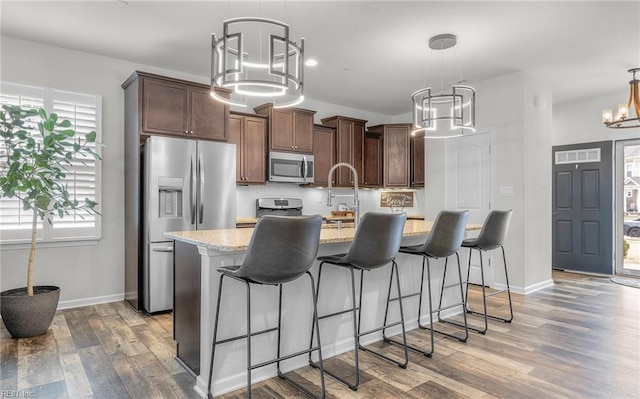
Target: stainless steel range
278 206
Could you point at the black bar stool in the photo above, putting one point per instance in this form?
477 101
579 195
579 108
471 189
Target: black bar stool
445 239
492 236
281 249
375 245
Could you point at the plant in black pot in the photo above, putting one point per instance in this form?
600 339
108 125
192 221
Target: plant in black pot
35 154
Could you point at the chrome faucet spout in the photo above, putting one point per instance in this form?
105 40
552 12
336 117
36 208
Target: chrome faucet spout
356 201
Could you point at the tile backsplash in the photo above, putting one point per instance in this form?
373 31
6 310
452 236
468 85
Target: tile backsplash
315 200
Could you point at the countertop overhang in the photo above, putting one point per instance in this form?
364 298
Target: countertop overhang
237 240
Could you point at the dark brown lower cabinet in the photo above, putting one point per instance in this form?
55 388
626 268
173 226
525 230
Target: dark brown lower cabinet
186 304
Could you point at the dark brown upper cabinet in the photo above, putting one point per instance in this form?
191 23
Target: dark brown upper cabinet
349 147
324 154
396 141
249 134
372 160
290 129
417 161
175 107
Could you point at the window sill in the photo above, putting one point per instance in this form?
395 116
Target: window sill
75 242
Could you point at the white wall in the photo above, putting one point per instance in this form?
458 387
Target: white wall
96 273
83 272
581 121
521 145
521 148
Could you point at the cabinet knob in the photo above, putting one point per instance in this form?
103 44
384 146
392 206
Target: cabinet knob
186 132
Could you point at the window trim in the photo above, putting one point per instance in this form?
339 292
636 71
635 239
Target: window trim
47 235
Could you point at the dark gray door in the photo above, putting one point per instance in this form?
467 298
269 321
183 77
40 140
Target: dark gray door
582 230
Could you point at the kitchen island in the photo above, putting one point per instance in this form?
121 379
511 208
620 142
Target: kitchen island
226 247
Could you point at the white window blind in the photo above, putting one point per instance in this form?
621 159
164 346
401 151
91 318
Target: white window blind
82 176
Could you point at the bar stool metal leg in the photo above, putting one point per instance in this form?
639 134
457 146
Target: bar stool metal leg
428 353
215 335
461 303
356 311
485 314
354 316
315 323
250 334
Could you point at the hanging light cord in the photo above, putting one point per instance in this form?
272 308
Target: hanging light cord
286 10
442 66
455 53
426 74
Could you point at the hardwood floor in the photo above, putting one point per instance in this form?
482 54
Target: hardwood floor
577 339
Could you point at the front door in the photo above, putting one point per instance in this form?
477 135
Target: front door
582 232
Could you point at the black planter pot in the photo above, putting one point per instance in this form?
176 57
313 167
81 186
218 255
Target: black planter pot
28 316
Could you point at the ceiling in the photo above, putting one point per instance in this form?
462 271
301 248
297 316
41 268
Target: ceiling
371 55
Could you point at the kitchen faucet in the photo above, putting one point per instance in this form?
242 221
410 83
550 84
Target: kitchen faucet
356 201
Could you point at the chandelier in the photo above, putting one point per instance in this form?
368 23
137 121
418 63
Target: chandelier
622 120
255 58
444 115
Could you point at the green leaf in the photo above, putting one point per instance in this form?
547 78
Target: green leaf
68 132
48 125
42 113
91 137
65 123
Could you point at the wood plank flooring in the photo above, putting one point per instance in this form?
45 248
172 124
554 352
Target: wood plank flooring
577 339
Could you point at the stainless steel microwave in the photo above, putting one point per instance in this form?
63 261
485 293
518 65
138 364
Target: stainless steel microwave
290 168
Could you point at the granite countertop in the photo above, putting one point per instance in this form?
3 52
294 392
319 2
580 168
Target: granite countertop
237 240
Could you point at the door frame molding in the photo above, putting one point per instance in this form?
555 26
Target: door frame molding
578 146
618 217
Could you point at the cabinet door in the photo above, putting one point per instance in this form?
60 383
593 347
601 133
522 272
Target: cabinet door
324 154
281 132
303 132
207 117
344 152
372 160
164 107
235 137
417 161
254 150
396 156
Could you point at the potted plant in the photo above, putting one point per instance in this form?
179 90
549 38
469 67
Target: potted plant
33 165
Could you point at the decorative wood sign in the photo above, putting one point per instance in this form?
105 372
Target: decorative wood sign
396 199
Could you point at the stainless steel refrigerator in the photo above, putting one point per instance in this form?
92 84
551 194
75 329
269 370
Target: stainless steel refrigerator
187 185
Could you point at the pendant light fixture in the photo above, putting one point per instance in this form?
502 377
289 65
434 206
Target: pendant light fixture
622 120
254 57
444 115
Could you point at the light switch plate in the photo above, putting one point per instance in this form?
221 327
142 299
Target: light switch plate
505 191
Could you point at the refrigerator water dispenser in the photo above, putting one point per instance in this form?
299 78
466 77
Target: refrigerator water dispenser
170 197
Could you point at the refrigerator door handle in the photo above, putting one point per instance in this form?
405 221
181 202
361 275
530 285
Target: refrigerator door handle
192 183
163 249
202 181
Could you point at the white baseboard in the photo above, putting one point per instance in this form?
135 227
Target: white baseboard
525 290
96 300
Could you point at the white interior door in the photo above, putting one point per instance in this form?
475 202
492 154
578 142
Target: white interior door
468 183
